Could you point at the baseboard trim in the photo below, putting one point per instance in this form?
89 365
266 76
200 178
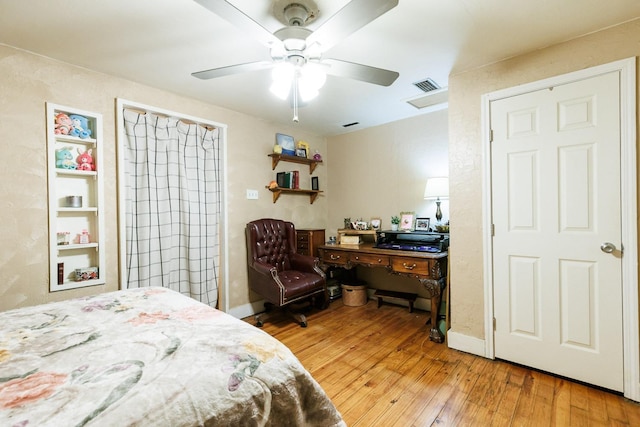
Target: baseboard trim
458 341
246 310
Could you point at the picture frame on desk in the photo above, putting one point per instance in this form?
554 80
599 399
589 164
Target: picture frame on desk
407 221
376 223
423 224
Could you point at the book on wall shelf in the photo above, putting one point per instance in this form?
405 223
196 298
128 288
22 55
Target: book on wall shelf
289 180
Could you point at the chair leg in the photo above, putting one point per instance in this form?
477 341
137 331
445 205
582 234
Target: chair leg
261 317
299 318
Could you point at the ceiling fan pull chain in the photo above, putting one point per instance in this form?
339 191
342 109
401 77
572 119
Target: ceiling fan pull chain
295 97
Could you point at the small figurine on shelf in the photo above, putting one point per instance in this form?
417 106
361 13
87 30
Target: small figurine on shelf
317 156
64 158
63 124
83 238
85 161
80 126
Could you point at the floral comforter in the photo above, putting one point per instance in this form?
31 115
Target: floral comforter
149 357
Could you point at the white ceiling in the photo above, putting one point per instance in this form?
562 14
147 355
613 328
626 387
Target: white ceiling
161 42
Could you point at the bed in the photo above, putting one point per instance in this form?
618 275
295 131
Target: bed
149 357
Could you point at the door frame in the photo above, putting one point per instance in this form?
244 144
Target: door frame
628 205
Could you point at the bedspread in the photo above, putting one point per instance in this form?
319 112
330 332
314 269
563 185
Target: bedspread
149 357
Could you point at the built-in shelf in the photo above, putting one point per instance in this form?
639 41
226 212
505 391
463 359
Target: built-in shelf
73 264
277 191
275 158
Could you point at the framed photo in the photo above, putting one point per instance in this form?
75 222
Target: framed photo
305 145
301 152
361 225
422 224
314 183
407 220
287 144
376 223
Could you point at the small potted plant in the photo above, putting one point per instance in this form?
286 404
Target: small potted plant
395 221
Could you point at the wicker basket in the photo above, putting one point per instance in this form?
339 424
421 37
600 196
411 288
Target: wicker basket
354 296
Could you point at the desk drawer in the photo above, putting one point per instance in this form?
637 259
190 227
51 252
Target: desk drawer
335 257
370 259
409 265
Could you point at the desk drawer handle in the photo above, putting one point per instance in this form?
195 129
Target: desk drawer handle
409 267
333 257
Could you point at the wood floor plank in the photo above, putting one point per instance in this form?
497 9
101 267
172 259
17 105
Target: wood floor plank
380 369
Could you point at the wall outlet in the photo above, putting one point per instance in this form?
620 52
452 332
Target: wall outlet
252 194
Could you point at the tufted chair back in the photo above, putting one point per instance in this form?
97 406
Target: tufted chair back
273 240
275 270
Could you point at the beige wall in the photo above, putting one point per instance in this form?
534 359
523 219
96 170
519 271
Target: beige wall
27 81
465 149
382 171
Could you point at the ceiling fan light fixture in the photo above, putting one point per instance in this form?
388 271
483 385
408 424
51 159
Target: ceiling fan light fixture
312 78
282 75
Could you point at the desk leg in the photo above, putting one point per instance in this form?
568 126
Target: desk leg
435 291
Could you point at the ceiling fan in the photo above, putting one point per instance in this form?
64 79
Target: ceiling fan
298 46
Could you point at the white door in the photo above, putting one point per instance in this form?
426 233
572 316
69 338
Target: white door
556 213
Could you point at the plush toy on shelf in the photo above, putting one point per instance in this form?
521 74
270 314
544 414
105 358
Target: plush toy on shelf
85 161
63 124
80 126
64 159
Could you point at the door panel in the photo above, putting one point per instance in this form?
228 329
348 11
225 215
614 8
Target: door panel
556 198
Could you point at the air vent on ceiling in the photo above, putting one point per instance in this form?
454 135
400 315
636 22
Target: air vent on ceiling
427 85
350 124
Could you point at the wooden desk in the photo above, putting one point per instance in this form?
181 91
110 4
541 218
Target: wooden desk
429 268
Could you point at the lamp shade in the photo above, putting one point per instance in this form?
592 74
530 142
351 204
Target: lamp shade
437 188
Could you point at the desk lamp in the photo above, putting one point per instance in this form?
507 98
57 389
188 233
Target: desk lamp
437 188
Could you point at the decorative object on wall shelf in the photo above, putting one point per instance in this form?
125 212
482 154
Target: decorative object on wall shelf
315 185
85 160
286 143
64 158
304 145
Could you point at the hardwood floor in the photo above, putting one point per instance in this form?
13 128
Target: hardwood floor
380 369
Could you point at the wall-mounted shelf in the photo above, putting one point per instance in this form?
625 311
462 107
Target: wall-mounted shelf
275 158
277 191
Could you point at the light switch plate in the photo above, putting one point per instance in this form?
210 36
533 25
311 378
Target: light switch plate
252 194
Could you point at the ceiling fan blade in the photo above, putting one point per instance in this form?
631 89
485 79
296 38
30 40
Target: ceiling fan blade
353 16
365 73
232 69
238 18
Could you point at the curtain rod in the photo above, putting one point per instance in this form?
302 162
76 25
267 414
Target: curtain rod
164 116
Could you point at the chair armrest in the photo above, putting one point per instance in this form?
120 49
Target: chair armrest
262 268
306 264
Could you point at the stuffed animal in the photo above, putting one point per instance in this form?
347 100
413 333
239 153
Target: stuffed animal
63 124
80 126
64 158
85 161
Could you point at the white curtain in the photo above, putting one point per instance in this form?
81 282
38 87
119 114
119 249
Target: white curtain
173 205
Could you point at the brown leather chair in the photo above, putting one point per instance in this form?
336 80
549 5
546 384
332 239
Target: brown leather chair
278 273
